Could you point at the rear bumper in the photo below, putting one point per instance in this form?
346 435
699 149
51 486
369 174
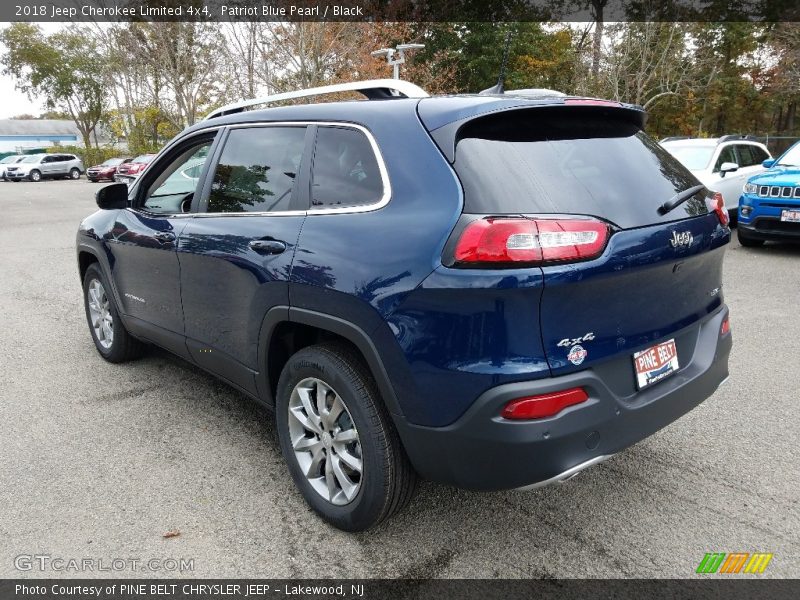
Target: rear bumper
483 451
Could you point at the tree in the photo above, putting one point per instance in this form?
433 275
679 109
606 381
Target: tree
65 68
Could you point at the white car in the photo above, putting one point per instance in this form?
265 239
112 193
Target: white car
721 164
9 160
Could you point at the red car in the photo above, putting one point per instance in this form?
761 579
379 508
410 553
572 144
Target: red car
128 172
106 170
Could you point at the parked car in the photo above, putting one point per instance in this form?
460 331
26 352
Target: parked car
492 292
39 166
9 160
769 208
721 164
129 171
105 170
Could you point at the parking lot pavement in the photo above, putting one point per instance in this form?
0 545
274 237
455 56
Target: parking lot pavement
100 460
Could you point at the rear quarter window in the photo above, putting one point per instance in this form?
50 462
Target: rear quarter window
567 161
345 171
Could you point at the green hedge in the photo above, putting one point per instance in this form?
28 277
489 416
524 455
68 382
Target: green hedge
89 156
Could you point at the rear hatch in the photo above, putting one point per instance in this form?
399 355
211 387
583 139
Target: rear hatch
577 191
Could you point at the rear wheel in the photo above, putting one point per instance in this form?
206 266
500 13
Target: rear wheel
110 337
337 438
74 173
748 242
35 175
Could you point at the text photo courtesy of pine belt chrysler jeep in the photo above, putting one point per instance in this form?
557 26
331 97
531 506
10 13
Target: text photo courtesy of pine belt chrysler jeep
489 291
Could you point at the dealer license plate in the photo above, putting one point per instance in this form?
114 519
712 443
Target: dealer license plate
793 216
655 363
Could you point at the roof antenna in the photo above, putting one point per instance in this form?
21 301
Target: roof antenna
499 88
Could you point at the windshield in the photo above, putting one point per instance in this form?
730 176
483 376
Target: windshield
694 158
34 158
112 162
144 158
791 158
8 159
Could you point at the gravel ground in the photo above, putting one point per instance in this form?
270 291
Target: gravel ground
99 461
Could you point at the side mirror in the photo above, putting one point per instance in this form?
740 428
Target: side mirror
727 167
112 196
769 163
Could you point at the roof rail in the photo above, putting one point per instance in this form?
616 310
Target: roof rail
373 89
737 136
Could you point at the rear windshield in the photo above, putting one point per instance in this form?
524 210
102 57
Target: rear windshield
556 161
144 158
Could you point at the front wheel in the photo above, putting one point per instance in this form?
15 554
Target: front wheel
110 337
338 440
35 175
74 173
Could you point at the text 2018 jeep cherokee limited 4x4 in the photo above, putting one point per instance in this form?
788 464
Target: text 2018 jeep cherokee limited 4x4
488 291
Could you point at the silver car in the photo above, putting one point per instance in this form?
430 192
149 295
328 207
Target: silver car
38 166
7 161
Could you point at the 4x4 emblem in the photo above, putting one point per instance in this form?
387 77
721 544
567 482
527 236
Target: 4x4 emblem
684 238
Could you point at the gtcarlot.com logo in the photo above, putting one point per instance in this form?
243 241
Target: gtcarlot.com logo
734 562
58 564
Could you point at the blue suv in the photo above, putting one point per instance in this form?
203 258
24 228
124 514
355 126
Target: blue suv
490 291
769 208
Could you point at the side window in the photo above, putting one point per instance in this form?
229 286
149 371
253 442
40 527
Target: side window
727 155
345 171
172 190
48 159
746 158
257 170
759 155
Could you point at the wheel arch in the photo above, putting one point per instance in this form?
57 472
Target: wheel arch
305 327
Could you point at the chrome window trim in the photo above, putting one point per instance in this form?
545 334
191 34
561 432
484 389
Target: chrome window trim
387 186
384 200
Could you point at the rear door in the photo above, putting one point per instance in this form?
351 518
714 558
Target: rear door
236 253
657 275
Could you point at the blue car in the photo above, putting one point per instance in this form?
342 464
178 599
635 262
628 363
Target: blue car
489 291
769 208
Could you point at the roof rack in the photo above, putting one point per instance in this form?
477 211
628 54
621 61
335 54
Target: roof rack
374 89
737 136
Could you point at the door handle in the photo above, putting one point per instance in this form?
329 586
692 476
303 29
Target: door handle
267 246
164 236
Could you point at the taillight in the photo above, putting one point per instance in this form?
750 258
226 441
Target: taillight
726 326
512 240
717 204
546 405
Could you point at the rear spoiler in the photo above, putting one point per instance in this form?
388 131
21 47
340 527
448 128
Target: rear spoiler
447 136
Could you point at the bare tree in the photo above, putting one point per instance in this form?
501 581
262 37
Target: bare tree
647 62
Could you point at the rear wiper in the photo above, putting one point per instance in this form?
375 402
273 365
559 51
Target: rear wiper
679 199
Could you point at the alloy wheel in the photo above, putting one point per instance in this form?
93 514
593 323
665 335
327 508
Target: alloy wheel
100 314
325 441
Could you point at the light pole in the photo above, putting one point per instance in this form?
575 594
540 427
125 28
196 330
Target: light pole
397 56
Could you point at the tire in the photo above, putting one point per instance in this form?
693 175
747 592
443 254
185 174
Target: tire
99 303
749 242
74 173
386 481
35 175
